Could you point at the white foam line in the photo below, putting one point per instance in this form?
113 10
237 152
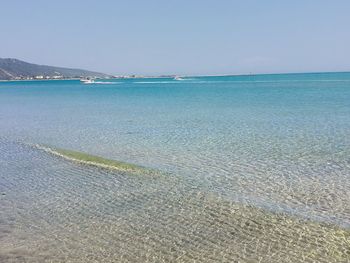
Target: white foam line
154 82
106 166
105 82
236 81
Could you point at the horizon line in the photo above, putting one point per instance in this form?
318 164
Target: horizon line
233 75
184 75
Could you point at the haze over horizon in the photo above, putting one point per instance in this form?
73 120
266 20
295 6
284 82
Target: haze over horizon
182 37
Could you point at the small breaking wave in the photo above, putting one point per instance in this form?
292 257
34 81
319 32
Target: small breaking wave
97 161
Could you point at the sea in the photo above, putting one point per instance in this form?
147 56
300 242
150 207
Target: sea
252 168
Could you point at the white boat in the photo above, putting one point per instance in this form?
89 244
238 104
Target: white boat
178 78
87 81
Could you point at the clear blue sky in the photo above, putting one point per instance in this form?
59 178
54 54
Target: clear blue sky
179 37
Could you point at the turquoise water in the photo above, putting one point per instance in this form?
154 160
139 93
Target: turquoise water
266 145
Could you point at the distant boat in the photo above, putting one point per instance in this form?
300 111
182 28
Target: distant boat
178 78
87 81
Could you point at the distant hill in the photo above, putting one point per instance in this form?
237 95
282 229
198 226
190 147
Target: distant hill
11 69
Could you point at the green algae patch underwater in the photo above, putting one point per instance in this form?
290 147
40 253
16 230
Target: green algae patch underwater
93 160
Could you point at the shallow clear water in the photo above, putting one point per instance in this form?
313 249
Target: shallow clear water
250 164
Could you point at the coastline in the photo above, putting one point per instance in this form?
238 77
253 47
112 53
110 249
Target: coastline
188 76
34 80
